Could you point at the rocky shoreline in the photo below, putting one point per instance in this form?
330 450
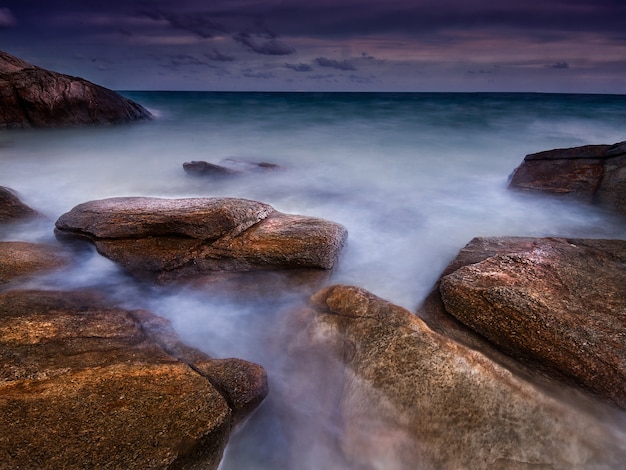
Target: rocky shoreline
472 379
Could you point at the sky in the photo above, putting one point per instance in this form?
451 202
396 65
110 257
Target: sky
564 46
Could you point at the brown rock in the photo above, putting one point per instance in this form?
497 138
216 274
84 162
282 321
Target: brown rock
87 385
591 173
35 97
19 259
182 238
227 167
11 208
411 398
557 304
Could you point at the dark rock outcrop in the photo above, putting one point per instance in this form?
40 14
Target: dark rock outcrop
87 385
591 173
170 239
559 304
227 167
35 97
411 398
12 209
18 259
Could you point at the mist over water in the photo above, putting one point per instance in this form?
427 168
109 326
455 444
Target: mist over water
413 177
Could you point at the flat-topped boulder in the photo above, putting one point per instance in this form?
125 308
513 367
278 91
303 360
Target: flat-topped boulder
409 397
19 259
84 384
555 304
170 239
34 97
591 173
12 209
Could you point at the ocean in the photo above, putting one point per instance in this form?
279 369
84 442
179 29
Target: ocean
412 176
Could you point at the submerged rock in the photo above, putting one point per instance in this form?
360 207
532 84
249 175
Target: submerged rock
170 239
88 385
35 97
591 173
18 259
12 208
556 304
227 167
411 398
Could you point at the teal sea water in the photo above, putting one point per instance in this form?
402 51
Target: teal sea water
413 177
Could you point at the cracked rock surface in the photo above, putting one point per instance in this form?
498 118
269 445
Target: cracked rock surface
170 239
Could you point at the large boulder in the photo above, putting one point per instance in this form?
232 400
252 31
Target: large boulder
169 239
35 97
12 209
591 173
411 398
227 167
18 259
556 304
88 385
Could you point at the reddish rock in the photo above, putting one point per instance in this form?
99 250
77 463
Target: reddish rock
170 239
408 397
18 259
87 385
35 97
591 173
12 209
556 304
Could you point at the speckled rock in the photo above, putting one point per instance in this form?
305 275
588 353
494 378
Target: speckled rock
84 384
170 239
592 173
35 97
558 304
411 398
12 209
19 259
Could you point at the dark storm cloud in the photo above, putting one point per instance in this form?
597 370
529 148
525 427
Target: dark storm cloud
559 65
217 56
261 45
335 64
299 67
197 23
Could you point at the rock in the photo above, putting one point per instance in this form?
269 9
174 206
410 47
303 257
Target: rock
88 385
171 239
591 173
35 97
555 304
227 167
12 209
411 398
202 168
18 259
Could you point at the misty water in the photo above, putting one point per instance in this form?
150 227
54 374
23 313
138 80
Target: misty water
413 177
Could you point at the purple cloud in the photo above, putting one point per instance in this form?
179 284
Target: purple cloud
299 67
335 64
7 20
255 43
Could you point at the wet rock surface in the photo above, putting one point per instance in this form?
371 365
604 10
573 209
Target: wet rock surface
170 239
19 259
84 384
591 173
227 167
410 397
12 209
35 97
556 304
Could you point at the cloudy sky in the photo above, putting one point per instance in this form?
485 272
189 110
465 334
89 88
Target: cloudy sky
361 45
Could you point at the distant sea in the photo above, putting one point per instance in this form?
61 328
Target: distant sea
413 177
